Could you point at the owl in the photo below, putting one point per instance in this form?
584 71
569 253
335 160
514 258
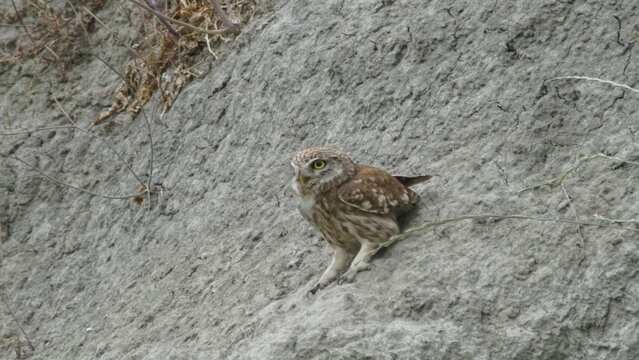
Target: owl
354 206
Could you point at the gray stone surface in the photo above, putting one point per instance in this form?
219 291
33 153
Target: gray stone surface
220 265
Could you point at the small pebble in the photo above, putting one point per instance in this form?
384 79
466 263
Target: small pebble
563 205
616 241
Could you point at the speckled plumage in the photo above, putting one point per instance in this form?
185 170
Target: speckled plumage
353 206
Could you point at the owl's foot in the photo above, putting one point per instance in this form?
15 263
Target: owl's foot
349 276
340 261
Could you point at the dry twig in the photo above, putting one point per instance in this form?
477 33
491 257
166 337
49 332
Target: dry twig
13 315
427 225
581 237
60 182
596 80
26 29
145 186
153 4
580 162
225 19
186 25
103 140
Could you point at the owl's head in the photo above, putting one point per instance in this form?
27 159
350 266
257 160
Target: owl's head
318 169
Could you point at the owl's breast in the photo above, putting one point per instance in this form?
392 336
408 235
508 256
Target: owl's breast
307 206
319 210
343 225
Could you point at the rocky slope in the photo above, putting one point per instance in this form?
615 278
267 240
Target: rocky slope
218 267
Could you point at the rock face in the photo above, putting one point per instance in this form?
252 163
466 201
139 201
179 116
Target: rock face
218 267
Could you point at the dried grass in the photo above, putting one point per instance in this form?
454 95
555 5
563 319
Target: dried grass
165 58
50 35
172 58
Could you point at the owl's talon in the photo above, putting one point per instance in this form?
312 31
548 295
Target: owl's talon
348 277
313 290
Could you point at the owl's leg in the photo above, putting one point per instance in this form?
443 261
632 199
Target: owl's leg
339 263
361 261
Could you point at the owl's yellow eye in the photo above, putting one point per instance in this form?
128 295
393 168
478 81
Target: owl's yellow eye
319 164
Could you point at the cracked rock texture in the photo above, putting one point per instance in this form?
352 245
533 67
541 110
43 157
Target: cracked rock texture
219 266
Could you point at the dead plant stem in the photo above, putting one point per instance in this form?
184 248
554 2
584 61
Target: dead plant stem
103 140
430 224
225 19
62 183
580 162
133 51
26 30
186 25
594 79
572 207
13 315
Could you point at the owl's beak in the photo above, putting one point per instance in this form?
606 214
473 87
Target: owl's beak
300 178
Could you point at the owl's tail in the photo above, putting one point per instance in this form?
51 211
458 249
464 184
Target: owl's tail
411 180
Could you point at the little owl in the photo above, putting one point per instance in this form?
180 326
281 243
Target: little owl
354 206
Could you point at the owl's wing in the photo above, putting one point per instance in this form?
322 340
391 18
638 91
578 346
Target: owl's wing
375 191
